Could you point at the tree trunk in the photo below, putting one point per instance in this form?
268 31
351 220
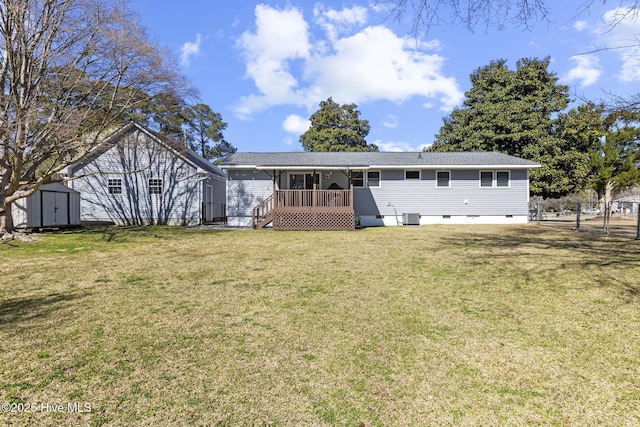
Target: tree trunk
604 197
6 219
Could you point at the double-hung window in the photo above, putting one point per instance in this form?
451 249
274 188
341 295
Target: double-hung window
502 178
357 179
155 186
114 186
486 179
492 179
443 179
373 178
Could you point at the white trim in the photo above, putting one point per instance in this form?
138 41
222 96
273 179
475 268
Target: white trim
493 178
366 167
390 220
305 173
366 184
508 179
419 178
448 182
454 166
304 168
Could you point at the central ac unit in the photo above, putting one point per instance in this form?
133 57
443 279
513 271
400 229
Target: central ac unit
410 219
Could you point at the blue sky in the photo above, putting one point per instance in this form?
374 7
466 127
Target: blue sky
265 66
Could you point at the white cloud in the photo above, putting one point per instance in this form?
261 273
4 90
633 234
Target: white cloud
398 146
619 32
587 70
369 65
376 64
190 49
580 25
336 22
296 124
391 121
281 36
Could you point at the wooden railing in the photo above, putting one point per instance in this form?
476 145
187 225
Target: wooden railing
314 199
262 211
282 201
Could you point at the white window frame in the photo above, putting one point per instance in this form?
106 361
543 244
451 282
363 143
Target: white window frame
353 180
508 172
448 180
155 186
379 178
493 178
113 184
412 179
304 180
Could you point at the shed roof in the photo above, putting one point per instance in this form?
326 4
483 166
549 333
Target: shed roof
628 199
367 160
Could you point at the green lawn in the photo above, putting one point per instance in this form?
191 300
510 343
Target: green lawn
432 325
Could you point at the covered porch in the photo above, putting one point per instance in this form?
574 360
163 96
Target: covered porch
308 200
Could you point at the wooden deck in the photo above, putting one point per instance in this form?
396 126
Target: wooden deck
306 210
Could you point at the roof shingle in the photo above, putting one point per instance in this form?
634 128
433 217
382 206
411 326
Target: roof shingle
373 159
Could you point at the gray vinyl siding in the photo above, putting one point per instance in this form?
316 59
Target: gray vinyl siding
136 160
423 197
245 190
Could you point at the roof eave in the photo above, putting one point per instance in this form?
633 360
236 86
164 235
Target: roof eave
364 167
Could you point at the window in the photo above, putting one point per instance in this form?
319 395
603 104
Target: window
373 179
486 178
443 178
502 179
114 186
155 186
303 181
411 174
357 178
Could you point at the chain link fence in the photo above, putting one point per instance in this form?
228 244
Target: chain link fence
617 218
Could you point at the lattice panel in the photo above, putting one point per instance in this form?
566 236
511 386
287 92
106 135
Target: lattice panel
314 221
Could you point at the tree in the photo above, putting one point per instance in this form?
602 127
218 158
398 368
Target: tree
474 14
70 70
513 112
425 14
337 127
204 126
222 151
614 159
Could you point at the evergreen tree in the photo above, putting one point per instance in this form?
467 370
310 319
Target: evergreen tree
337 127
515 112
205 126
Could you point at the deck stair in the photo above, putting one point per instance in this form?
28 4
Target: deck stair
263 213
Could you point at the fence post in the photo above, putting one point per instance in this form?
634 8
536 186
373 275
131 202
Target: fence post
538 212
578 209
638 226
607 214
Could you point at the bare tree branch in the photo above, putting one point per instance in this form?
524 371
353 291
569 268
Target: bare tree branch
69 71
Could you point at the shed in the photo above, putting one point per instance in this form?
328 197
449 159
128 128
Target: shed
52 205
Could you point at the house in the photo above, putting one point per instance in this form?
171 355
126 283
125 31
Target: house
52 205
136 176
331 190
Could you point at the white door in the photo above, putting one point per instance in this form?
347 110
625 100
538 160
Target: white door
208 205
55 208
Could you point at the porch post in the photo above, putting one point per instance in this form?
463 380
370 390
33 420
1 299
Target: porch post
314 193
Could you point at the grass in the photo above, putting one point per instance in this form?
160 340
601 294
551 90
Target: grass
434 325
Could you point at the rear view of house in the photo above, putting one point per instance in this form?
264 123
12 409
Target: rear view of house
139 177
314 190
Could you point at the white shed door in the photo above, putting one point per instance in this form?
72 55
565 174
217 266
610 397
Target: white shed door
55 208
